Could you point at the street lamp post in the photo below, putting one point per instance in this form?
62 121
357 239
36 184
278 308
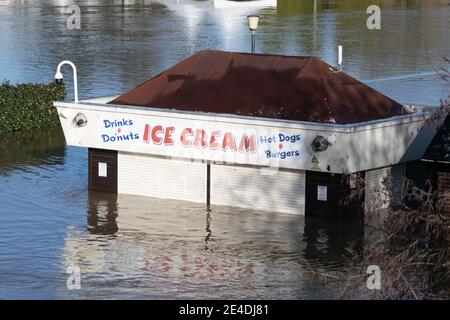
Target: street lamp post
59 77
253 21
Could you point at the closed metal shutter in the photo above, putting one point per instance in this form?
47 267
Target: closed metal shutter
158 177
260 189
384 187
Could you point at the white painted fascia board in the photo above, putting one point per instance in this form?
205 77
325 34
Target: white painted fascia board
423 112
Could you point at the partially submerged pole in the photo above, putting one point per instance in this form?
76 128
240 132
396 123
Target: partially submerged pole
253 41
340 58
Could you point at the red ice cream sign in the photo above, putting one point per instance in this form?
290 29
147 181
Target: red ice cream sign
200 138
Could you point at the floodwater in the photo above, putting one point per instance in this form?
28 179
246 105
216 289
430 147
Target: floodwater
134 247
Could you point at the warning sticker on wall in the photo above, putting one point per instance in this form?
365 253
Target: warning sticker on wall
315 164
102 169
322 193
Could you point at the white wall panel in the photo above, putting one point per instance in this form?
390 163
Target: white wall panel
249 187
158 177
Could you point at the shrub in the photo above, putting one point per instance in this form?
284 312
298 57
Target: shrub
29 106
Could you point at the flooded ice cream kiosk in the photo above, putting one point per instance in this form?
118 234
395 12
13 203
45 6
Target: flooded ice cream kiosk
266 132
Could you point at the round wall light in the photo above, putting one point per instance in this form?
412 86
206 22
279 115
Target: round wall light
80 120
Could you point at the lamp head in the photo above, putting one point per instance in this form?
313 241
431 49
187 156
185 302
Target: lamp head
253 22
58 77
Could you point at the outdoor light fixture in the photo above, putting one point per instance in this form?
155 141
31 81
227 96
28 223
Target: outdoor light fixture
80 120
253 22
59 77
320 143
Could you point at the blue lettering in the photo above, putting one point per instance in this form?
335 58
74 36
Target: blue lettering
126 137
293 138
282 155
117 123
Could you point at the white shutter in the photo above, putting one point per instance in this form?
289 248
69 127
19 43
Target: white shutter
158 177
260 189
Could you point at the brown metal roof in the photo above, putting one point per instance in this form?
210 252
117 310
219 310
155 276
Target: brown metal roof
272 86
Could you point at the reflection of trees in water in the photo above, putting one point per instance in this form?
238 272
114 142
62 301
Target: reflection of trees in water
351 5
102 213
330 241
36 147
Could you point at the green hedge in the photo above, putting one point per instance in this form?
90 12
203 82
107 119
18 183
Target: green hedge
29 106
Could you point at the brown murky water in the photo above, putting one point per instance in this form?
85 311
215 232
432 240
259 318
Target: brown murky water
134 247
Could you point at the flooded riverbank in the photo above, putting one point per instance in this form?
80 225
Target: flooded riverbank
135 247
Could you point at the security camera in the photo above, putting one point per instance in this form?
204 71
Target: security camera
80 120
58 77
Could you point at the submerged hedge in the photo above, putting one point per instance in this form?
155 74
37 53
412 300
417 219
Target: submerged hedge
29 106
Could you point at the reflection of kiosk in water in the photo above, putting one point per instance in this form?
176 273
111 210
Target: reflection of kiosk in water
102 213
150 241
158 240
268 132
331 242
